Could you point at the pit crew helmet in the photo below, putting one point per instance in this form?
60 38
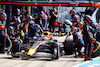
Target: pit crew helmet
30 17
44 39
18 11
72 12
3 16
88 19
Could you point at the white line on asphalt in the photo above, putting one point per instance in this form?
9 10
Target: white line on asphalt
85 62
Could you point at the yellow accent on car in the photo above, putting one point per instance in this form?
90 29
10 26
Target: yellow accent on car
46 33
31 51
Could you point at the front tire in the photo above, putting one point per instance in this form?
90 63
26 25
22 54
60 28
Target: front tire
57 53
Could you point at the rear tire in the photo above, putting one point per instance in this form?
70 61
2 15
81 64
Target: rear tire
16 47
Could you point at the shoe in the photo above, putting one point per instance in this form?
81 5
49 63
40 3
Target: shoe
80 55
87 58
76 56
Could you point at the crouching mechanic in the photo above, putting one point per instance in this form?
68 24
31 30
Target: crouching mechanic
78 42
3 31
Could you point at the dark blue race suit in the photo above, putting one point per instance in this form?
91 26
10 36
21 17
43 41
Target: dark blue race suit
2 36
34 30
88 41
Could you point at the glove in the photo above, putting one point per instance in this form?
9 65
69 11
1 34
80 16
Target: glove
22 33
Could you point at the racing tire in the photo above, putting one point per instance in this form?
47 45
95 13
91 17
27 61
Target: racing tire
16 47
58 53
68 46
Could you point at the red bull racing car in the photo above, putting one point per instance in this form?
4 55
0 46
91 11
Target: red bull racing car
45 46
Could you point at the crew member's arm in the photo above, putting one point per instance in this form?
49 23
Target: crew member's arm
54 14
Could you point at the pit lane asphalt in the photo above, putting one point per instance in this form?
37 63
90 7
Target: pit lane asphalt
64 61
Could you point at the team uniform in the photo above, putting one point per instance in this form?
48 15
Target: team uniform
78 43
88 37
2 32
34 30
75 18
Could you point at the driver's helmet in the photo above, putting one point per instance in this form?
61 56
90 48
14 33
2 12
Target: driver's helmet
47 33
72 12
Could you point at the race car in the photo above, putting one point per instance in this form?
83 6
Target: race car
45 46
